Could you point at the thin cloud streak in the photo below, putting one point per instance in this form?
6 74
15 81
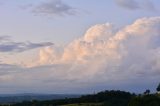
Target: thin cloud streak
128 4
7 45
135 4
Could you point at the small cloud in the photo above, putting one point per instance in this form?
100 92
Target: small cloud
128 4
134 4
7 45
4 38
148 5
52 8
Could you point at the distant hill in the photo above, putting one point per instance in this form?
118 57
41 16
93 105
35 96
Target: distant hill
105 98
14 98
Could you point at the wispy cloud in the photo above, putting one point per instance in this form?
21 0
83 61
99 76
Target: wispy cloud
7 45
135 4
52 8
129 4
149 5
4 38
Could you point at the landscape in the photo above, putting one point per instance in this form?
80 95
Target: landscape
79 53
103 98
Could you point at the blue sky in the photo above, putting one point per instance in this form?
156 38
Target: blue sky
24 25
49 44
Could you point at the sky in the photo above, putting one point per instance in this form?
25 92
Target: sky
79 46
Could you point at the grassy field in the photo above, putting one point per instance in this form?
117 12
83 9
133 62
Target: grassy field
84 104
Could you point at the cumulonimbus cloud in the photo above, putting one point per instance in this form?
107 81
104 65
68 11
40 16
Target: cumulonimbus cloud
125 58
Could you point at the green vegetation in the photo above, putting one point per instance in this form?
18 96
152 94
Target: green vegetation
85 104
147 100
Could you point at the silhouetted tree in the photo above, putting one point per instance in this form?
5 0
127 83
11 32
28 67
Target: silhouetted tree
147 92
158 88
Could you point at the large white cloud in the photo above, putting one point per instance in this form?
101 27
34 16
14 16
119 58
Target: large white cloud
104 57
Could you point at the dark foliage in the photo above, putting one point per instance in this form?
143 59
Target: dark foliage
147 100
147 92
158 88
